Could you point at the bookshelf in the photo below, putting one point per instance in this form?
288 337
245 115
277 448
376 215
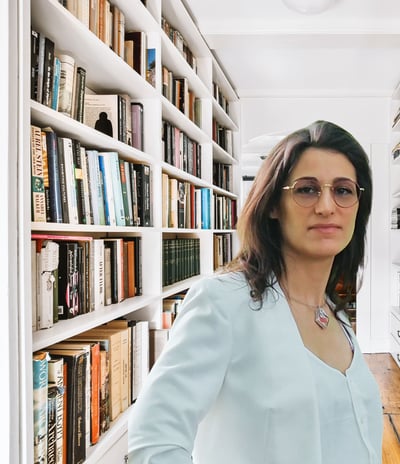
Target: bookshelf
395 230
106 72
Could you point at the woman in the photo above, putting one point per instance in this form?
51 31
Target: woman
262 365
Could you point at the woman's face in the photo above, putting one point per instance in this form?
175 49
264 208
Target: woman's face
323 230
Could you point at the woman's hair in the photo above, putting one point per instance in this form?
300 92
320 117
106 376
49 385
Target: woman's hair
260 256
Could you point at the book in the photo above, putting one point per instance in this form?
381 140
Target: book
34 63
79 97
67 153
110 340
47 265
56 378
117 266
37 176
143 193
141 355
103 114
137 125
108 191
126 186
158 338
76 363
67 79
55 200
139 39
116 187
40 391
48 70
52 392
68 278
96 187
151 66
56 83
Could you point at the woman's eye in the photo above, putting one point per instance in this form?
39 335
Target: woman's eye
307 190
344 191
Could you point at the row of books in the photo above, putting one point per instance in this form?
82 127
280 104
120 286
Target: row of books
180 258
395 218
75 275
220 97
222 175
180 43
59 83
222 250
117 116
180 150
176 90
222 136
82 384
184 205
56 80
75 185
107 21
171 308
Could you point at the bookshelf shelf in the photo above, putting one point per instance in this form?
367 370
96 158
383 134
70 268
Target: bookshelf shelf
108 73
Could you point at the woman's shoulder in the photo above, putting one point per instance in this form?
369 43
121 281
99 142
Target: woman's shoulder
225 282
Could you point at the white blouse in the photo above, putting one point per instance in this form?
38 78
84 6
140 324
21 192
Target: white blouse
348 405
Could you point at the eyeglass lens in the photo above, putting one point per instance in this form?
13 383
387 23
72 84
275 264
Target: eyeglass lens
345 192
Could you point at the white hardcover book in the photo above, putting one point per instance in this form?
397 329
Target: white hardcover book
141 358
47 264
67 78
97 274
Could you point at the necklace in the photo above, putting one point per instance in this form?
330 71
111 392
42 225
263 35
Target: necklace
321 318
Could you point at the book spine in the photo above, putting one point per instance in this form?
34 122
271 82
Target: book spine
56 377
109 203
56 83
52 424
80 94
34 63
48 70
37 176
40 390
55 200
78 176
63 181
66 84
117 189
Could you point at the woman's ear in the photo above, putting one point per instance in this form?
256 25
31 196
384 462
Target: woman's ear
274 214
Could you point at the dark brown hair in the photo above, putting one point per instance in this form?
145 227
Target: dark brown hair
260 255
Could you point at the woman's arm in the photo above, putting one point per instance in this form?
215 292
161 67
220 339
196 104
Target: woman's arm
185 380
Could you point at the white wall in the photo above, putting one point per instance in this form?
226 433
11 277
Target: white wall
368 119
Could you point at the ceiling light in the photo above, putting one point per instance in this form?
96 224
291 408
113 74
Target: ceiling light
309 6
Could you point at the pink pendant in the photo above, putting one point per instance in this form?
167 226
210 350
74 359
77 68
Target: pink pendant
321 318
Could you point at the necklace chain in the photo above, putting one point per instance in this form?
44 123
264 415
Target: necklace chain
321 318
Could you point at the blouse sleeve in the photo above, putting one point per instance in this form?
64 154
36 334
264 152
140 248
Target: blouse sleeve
185 380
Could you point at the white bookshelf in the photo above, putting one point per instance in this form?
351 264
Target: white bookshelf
108 73
394 314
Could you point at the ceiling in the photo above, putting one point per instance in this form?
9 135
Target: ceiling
269 50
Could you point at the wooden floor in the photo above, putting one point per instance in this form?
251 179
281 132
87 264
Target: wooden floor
387 374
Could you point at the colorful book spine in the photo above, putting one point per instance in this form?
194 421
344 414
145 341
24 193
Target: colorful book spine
40 392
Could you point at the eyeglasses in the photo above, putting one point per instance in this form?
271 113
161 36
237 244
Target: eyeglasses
307 190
